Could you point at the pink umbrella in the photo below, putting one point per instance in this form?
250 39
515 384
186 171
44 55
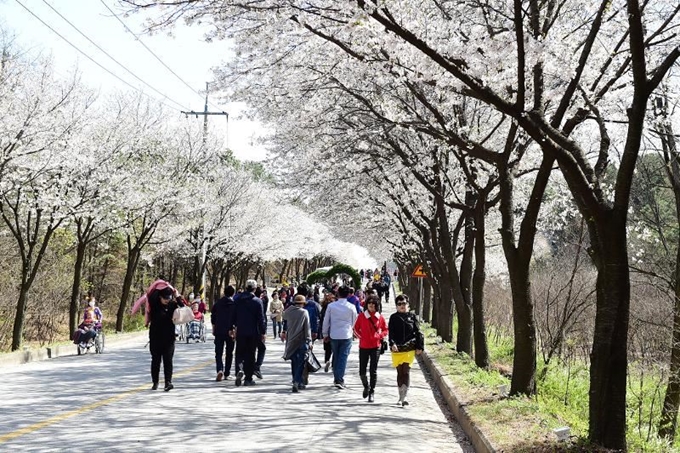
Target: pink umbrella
158 284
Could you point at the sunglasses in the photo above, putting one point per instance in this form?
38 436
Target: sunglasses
401 303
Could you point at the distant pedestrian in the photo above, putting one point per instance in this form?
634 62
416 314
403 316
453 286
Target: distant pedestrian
371 329
338 325
276 314
261 346
250 328
354 300
222 319
406 340
388 283
298 339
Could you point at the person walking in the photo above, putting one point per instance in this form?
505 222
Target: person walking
371 329
161 307
314 310
222 319
328 298
406 340
261 346
298 339
276 314
353 299
338 328
249 329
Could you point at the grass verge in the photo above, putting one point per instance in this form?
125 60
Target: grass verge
522 424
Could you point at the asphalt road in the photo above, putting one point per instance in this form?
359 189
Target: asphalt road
104 403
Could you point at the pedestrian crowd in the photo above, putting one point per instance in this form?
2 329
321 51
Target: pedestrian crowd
332 317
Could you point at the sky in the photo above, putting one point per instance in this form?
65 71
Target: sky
184 52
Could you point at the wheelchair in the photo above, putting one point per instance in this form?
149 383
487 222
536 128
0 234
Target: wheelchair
97 342
195 331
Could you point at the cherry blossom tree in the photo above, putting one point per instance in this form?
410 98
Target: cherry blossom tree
617 54
42 122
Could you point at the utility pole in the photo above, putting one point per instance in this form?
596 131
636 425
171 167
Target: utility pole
205 114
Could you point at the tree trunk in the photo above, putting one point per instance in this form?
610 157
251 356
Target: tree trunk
669 413
465 311
427 302
28 274
184 277
418 306
479 280
196 276
436 302
284 268
518 256
133 258
20 316
75 289
609 356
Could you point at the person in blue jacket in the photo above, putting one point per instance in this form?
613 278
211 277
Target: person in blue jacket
250 327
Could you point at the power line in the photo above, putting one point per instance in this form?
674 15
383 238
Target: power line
152 52
108 55
89 57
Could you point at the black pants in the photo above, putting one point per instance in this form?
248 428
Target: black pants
164 352
245 354
261 348
364 356
327 351
221 344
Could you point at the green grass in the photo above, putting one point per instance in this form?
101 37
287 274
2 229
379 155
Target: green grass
525 424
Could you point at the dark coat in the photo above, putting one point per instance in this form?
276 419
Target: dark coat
249 317
404 327
161 327
222 317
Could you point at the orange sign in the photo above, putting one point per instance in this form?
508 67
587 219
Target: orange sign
418 272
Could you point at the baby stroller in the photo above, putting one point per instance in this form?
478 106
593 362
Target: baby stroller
87 337
195 330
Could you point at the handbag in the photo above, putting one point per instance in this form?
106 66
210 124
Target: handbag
383 346
408 346
312 362
182 315
383 342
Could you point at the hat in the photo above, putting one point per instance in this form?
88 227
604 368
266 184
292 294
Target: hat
166 293
251 285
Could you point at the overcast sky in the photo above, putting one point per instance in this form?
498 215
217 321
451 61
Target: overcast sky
184 52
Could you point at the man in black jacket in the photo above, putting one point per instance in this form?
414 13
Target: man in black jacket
250 328
222 319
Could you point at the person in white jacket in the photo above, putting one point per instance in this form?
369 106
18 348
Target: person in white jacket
338 328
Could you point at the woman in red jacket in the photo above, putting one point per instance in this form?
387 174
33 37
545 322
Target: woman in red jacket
371 329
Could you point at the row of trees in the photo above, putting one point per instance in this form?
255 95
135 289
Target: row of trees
107 191
450 120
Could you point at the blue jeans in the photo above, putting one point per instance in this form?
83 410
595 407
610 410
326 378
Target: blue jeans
298 363
340 350
276 326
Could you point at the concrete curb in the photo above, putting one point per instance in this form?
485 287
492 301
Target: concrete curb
59 350
477 438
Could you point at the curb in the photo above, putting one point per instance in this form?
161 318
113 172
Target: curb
477 438
59 350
